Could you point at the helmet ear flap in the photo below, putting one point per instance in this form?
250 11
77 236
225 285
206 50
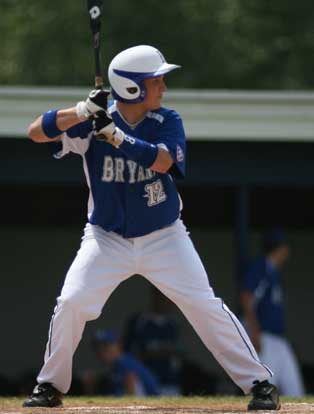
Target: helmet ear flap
126 89
132 90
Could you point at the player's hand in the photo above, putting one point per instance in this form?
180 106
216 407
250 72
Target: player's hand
96 101
103 124
105 129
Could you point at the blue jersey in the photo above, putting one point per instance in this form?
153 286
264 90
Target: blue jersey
127 364
263 279
125 197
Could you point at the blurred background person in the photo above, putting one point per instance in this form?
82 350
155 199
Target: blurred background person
154 337
262 303
122 374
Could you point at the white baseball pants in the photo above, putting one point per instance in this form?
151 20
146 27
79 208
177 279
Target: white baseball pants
277 353
168 259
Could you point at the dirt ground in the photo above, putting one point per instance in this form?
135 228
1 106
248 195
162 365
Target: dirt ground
211 407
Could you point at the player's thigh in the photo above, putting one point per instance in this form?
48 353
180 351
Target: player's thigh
102 262
173 264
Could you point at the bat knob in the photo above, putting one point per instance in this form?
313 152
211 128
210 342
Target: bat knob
99 82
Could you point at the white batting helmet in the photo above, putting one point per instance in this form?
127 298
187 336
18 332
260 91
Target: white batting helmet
130 67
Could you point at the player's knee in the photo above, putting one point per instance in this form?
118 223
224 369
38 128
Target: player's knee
68 303
202 303
77 304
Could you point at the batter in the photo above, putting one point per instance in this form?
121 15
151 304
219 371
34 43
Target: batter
132 153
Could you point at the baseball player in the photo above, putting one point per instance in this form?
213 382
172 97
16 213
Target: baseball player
132 152
263 308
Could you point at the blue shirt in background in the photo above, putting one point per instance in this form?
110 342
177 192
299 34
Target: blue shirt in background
263 280
127 364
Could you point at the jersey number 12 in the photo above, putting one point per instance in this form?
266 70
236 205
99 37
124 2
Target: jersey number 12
155 193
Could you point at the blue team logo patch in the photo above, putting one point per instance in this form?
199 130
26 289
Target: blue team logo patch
180 154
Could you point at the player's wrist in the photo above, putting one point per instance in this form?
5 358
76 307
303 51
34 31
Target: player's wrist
112 135
49 124
82 111
138 150
118 136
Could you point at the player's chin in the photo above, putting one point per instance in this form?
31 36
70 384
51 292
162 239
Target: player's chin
155 105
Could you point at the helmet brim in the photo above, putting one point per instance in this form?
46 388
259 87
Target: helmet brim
162 70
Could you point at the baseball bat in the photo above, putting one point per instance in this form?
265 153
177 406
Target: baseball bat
94 10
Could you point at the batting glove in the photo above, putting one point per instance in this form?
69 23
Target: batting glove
105 129
96 102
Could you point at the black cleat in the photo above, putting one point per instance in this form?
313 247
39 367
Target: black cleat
44 395
265 397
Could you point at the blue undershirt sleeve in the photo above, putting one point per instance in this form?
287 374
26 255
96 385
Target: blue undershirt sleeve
140 151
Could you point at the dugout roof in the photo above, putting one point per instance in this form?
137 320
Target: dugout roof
208 115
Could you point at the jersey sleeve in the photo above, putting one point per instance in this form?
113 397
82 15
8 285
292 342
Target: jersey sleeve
172 136
76 140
